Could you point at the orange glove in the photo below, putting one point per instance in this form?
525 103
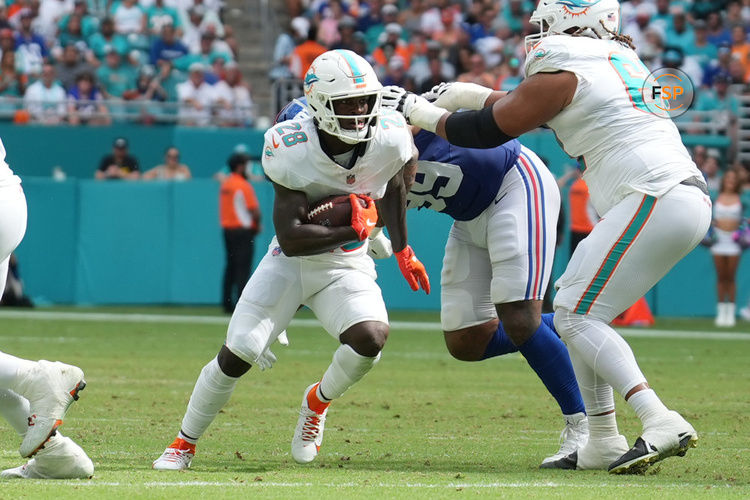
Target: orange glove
412 269
363 218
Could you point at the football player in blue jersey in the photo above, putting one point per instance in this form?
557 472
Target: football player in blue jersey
498 259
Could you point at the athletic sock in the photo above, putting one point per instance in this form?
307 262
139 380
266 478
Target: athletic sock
10 368
647 405
15 409
316 401
212 391
499 344
548 357
603 426
346 369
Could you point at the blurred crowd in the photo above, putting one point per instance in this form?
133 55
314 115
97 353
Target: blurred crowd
416 44
98 61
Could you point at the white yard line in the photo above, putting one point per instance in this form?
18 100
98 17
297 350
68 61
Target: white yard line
311 323
274 484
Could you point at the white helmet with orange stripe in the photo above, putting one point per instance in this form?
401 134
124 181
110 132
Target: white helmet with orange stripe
599 18
338 75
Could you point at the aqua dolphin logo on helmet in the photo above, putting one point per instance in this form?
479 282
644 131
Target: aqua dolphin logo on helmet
310 78
596 18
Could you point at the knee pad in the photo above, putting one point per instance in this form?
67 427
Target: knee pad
567 323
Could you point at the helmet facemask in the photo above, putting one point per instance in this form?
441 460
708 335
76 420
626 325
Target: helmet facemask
350 128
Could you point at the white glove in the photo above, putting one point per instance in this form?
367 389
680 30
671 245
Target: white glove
265 360
416 109
379 245
282 338
458 95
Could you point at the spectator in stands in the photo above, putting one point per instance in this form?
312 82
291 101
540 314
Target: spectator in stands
167 46
119 164
420 69
396 74
30 46
719 65
206 53
699 156
12 83
725 107
85 103
727 216
50 14
7 41
147 93
391 44
680 34
410 16
436 76
115 77
717 33
328 22
70 66
741 50
239 212
711 171
106 39
483 27
674 57
159 15
89 23
304 54
702 50
4 24
45 98
477 73
347 27
388 15
129 18
171 169
234 95
196 98
295 34
511 75
72 34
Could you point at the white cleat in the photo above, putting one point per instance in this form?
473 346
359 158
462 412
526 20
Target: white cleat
596 454
178 456
50 388
668 436
573 436
61 458
745 313
308 436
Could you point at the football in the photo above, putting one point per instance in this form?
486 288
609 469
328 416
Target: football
332 211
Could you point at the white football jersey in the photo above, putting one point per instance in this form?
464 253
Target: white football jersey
293 158
7 177
624 146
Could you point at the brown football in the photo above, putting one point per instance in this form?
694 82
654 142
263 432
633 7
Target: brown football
332 211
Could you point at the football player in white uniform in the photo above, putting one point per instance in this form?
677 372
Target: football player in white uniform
35 395
585 81
345 146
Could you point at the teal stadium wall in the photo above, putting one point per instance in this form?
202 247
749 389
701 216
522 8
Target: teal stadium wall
91 242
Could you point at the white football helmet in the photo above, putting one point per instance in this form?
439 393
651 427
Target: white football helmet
555 17
342 74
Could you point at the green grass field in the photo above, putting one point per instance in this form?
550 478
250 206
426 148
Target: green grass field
420 425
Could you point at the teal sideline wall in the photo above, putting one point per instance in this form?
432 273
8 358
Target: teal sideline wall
94 242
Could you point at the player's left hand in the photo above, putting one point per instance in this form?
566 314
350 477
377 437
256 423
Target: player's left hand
458 95
265 361
413 270
417 110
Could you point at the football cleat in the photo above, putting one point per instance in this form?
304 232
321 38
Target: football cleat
596 454
50 388
308 435
178 456
573 436
60 458
745 313
669 436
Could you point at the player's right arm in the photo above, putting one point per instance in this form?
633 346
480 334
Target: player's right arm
297 237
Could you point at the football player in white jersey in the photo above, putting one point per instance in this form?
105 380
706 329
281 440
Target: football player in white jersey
345 146
35 395
584 81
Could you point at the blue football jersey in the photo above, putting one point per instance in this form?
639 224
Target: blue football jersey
460 182
292 109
